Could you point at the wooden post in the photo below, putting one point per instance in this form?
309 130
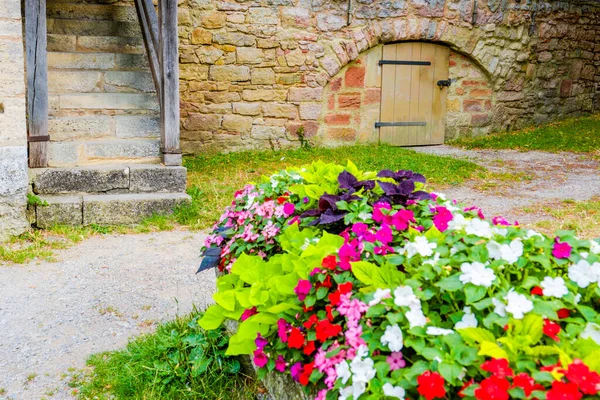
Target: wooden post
149 26
37 82
169 62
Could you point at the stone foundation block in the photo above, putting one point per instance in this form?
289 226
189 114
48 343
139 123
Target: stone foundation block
129 208
156 178
78 180
59 210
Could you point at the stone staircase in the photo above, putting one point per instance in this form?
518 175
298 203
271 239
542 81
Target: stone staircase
103 106
106 195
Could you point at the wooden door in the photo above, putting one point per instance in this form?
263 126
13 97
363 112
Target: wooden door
413 105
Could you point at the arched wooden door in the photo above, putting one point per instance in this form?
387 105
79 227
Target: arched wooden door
413 94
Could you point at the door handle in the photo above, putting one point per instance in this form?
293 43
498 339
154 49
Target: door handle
445 83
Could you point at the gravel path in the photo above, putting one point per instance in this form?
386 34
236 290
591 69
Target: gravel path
110 288
98 295
546 178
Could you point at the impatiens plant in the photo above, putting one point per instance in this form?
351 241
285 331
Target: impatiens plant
361 285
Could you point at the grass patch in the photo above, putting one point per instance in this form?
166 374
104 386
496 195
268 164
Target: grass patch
212 179
579 135
583 217
179 361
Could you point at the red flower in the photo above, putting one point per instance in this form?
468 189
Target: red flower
329 262
345 287
493 388
466 385
538 291
306 309
306 372
309 348
563 391
334 298
551 329
579 374
311 321
326 330
498 367
431 385
326 283
296 339
526 383
281 200
550 368
329 311
563 313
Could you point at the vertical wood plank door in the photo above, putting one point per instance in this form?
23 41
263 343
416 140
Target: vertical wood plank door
413 106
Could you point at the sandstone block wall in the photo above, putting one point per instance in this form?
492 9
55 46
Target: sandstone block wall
13 133
253 72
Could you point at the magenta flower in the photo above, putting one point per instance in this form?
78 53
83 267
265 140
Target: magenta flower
348 252
396 361
378 215
260 358
402 218
479 211
498 220
303 289
280 364
296 370
288 209
360 228
282 328
248 313
561 249
384 234
441 219
260 342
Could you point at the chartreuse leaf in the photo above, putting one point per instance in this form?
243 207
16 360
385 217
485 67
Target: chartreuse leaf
532 325
213 317
241 295
542 351
243 341
285 284
292 239
477 335
225 299
248 268
491 349
281 307
592 360
364 272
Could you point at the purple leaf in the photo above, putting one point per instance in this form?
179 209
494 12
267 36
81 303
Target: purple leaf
329 217
347 180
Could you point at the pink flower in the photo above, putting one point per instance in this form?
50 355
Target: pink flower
360 228
282 328
322 395
396 361
379 216
248 313
441 219
294 220
260 358
353 337
561 249
288 209
348 252
402 218
383 250
260 342
479 212
384 234
303 289
280 364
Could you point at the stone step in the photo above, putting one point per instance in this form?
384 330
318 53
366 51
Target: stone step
103 61
89 81
91 12
93 28
113 179
105 209
65 128
97 44
109 101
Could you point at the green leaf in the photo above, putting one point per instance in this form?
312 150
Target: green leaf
451 283
281 307
533 326
474 293
364 272
491 349
213 318
450 372
477 335
225 299
588 313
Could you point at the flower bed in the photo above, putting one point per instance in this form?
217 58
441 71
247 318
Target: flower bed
361 285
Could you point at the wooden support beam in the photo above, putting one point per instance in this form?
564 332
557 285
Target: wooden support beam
169 62
37 82
149 27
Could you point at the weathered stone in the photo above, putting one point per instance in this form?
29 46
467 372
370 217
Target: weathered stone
264 95
137 126
191 72
295 58
127 81
330 22
122 149
68 128
249 55
237 123
129 208
305 94
156 178
109 44
246 108
62 154
267 132
109 101
262 16
310 110
203 122
229 73
208 54
280 110
213 20
99 61
262 76
201 36
59 210
236 39
78 180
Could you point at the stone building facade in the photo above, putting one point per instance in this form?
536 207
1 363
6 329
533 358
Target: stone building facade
13 133
253 72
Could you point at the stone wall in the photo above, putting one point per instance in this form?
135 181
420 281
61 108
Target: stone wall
253 72
13 134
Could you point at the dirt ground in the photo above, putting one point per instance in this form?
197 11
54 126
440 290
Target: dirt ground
107 289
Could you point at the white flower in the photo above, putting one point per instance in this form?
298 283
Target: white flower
583 273
477 274
479 227
591 331
416 317
420 246
356 390
458 222
499 231
362 370
453 250
379 295
343 371
394 391
499 307
554 287
392 338
435 331
405 297
531 233
434 260
518 304
468 320
577 298
362 351
594 247
508 252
